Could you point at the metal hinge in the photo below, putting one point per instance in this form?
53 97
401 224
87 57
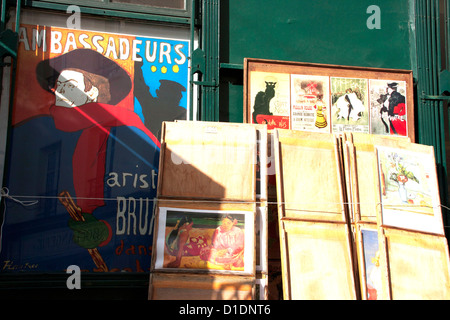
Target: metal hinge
430 97
444 82
198 64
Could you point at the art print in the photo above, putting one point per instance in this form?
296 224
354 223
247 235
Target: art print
409 190
204 240
310 103
270 99
388 107
349 99
372 264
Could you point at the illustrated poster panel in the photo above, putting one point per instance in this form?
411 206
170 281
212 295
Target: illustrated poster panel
270 99
409 190
85 147
205 240
310 105
350 105
371 252
388 107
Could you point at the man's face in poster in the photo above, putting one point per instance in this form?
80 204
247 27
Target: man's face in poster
70 90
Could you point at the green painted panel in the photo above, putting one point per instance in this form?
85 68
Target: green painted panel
231 95
332 32
320 31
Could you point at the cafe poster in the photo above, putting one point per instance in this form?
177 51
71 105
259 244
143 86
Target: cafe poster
310 103
84 143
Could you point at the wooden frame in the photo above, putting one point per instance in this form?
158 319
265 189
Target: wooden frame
419 265
318 261
361 170
261 239
166 286
214 161
325 90
312 217
315 159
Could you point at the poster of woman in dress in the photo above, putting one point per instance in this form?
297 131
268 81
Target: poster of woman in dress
388 107
310 103
349 109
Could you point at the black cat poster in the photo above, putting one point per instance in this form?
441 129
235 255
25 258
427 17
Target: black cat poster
270 99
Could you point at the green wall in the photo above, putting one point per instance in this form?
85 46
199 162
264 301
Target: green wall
318 31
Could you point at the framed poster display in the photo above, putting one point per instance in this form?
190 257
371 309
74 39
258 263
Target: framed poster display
194 240
328 98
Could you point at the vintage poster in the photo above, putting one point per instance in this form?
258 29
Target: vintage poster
409 190
205 240
349 99
310 105
344 98
82 165
372 266
270 99
388 107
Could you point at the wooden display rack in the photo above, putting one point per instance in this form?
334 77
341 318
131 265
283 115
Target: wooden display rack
347 231
209 170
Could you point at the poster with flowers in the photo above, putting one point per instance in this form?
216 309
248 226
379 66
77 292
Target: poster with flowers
409 190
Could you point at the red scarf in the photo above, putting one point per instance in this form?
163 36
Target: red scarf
89 157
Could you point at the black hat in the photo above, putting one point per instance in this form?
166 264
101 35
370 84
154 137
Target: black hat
393 85
48 71
171 85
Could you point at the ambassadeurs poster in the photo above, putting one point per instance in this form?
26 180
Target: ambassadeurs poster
84 140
